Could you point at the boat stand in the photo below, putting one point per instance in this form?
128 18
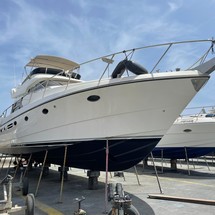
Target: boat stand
62 175
41 173
106 176
137 176
158 181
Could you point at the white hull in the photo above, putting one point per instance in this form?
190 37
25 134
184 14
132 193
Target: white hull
194 135
190 132
135 107
54 109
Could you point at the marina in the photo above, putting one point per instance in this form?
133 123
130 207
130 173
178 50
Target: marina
107 108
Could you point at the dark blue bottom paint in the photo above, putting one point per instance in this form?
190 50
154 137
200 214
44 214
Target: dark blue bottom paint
180 152
123 154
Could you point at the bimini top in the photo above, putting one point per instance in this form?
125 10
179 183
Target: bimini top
47 61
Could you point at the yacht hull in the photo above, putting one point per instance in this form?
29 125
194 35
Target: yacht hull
188 138
137 110
122 154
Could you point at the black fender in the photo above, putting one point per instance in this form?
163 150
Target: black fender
135 68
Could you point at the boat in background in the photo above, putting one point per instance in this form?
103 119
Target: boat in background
78 123
189 137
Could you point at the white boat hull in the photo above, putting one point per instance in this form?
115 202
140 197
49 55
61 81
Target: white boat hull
188 137
139 109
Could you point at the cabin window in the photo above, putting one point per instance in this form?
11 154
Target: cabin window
44 84
17 105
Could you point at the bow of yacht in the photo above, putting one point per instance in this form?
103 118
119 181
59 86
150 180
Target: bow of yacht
131 109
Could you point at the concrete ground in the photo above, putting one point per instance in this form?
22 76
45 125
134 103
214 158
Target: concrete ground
199 184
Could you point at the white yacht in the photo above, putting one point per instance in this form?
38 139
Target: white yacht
189 137
55 109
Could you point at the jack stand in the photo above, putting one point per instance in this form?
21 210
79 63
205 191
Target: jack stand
93 179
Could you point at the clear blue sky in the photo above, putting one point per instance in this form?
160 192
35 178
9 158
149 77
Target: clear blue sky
82 29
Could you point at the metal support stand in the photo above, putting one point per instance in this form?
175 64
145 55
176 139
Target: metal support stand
62 178
187 159
41 173
106 176
136 173
156 173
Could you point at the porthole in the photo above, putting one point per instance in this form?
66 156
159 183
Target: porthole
15 123
187 130
26 118
45 111
93 98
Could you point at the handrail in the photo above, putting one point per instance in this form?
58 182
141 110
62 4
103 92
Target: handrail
196 114
150 46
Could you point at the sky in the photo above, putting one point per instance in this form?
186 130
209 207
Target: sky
82 29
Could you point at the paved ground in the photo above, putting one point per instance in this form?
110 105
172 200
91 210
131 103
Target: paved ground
200 184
